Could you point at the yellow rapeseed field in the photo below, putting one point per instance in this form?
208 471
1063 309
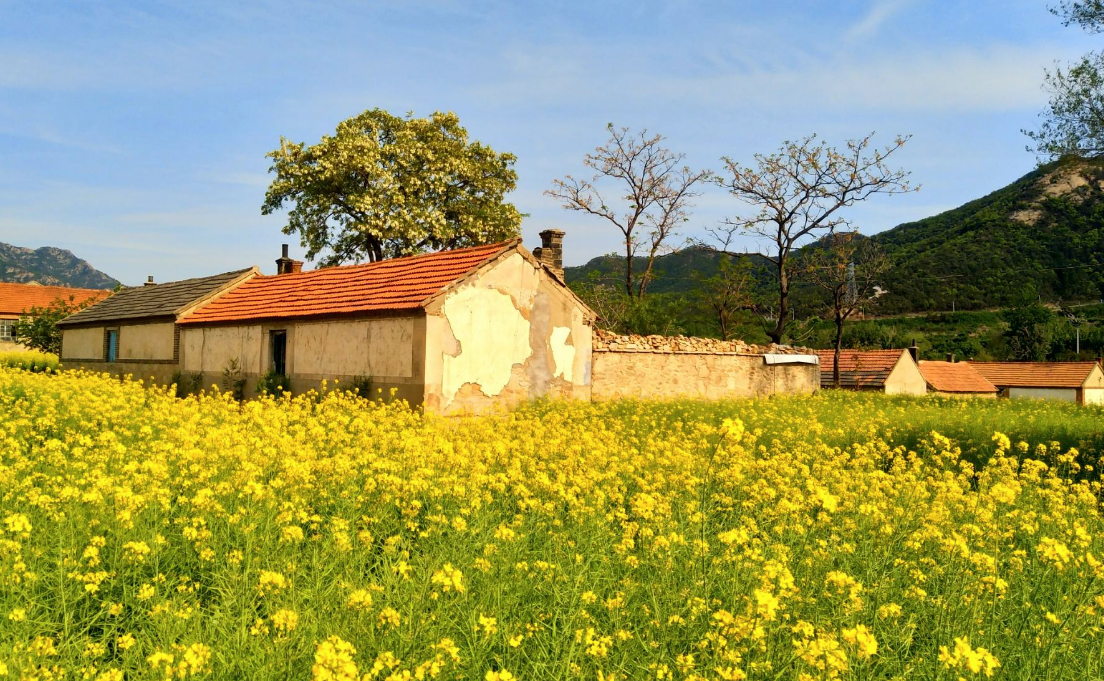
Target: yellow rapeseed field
329 538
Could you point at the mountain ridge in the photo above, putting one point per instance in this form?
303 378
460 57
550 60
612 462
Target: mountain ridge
50 266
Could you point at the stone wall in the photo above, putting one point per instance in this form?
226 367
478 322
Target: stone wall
654 374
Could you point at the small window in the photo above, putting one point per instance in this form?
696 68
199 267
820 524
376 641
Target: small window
112 344
6 328
279 351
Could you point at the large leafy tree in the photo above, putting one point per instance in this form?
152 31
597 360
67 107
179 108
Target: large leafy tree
798 193
385 186
1073 122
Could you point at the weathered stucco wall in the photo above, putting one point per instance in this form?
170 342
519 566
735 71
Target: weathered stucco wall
1060 394
508 334
146 341
371 347
387 350
209 350
906 379
85 343
667 375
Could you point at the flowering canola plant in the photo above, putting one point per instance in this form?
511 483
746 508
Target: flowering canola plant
327 537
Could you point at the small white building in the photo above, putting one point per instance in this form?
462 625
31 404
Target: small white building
1080 382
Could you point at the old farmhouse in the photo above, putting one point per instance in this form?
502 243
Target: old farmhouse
460 330
17 299
134 331
893 372
1080 382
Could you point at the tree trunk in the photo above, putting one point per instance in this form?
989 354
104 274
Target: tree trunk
628 267
783 303
839 346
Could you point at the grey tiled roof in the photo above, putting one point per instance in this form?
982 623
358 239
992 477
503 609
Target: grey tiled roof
159 300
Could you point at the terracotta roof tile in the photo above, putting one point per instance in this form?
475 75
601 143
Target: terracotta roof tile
1035 374
956 377
15 299
394 284
858 368
158 300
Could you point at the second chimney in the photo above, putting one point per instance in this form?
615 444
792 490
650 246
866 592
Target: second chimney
149 281
551 250
914 350
285 265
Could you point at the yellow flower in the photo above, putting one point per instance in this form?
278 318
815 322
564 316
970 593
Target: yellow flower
18 615
448 578
860 637
333 661
126 641
271 582
361 599
284 621
499 675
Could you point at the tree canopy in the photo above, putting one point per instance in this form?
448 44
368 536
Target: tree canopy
386 186
1073 122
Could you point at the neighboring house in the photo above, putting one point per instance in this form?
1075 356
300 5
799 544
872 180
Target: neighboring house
893 372
461 330
134 331
1081 382
17 299
956 379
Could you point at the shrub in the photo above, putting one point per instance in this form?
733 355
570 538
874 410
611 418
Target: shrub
272 383
30 361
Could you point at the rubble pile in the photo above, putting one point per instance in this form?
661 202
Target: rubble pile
605 340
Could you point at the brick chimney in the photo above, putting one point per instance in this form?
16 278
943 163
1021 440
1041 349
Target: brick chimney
914 350
551 250
950 357
285 265
149 281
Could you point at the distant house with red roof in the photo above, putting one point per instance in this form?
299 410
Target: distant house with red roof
460 330
955 379
1081 382
893 372
17 299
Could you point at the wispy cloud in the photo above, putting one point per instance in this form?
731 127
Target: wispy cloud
879 13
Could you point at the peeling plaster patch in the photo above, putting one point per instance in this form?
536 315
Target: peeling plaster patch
563 353
493 336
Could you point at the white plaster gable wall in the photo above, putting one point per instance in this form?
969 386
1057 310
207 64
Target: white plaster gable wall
563 352
492 336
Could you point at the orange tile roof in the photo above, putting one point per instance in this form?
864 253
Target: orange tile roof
15 299
1035 374
394 284
954 377
858 368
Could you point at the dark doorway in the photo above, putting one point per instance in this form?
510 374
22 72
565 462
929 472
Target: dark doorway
279 351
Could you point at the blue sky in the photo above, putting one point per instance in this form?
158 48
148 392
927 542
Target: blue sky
134 133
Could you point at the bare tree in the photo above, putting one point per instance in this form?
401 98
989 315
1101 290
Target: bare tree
657 187
729 292
799 191
846 267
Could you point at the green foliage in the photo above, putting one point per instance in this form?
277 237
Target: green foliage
233 379
30 361
272 383
362 387
384 186
1073 122
37 327
1031 331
